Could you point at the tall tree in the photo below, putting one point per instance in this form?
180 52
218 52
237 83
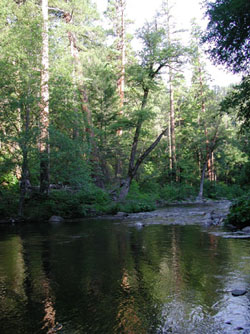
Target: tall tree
201 89
166 20
121 6
20 63
156 55
44 112
77 21
116 14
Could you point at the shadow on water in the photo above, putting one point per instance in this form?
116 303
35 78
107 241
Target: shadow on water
100 276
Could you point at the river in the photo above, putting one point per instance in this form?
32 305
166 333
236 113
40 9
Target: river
110 276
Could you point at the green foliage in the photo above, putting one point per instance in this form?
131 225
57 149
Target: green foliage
220 190
228 33
136 201
67 203
177 192
9 198
239 215
237 102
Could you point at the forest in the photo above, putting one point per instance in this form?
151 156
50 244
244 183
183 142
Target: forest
89 125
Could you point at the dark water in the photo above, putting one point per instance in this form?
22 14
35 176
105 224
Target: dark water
99 276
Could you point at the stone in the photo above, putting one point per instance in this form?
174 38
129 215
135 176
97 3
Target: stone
237 292
139 225
56 219
122 214
246 229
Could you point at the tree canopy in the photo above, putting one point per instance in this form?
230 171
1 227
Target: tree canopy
228 33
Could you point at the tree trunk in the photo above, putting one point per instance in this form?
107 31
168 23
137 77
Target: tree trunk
120 9
172 125
44 108
200 195
25 171
94 154
210 151
133 167
125 185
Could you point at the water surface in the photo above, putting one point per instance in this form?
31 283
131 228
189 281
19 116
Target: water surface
105 277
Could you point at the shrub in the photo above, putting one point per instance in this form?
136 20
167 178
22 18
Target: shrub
222 190
9 199
67 203
177 192
239 215
137 201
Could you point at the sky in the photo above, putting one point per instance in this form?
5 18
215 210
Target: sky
183 11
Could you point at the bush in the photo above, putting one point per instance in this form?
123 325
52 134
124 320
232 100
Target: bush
239 215
177 192
67 203
137 201
9 199
221 190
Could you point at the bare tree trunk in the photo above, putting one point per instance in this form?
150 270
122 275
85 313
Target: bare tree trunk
210 150
25 171
172 123
200 195
170 145
203 110
44 110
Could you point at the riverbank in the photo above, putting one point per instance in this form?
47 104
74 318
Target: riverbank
207 213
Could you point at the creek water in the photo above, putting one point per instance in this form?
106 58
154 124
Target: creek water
109 276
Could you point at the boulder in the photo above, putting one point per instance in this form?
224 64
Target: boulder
237 292
56 219
246 229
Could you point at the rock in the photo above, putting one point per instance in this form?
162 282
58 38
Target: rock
56 219
139 225
246 229
122 214
208 216
208 222
237 293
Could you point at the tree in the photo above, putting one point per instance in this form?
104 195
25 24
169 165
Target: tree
44 113
166 20
155 56
116 13
20 83
237 101
228 33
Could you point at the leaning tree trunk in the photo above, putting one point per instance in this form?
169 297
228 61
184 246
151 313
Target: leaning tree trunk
44 107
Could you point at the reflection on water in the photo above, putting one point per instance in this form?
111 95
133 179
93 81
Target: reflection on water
108 277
